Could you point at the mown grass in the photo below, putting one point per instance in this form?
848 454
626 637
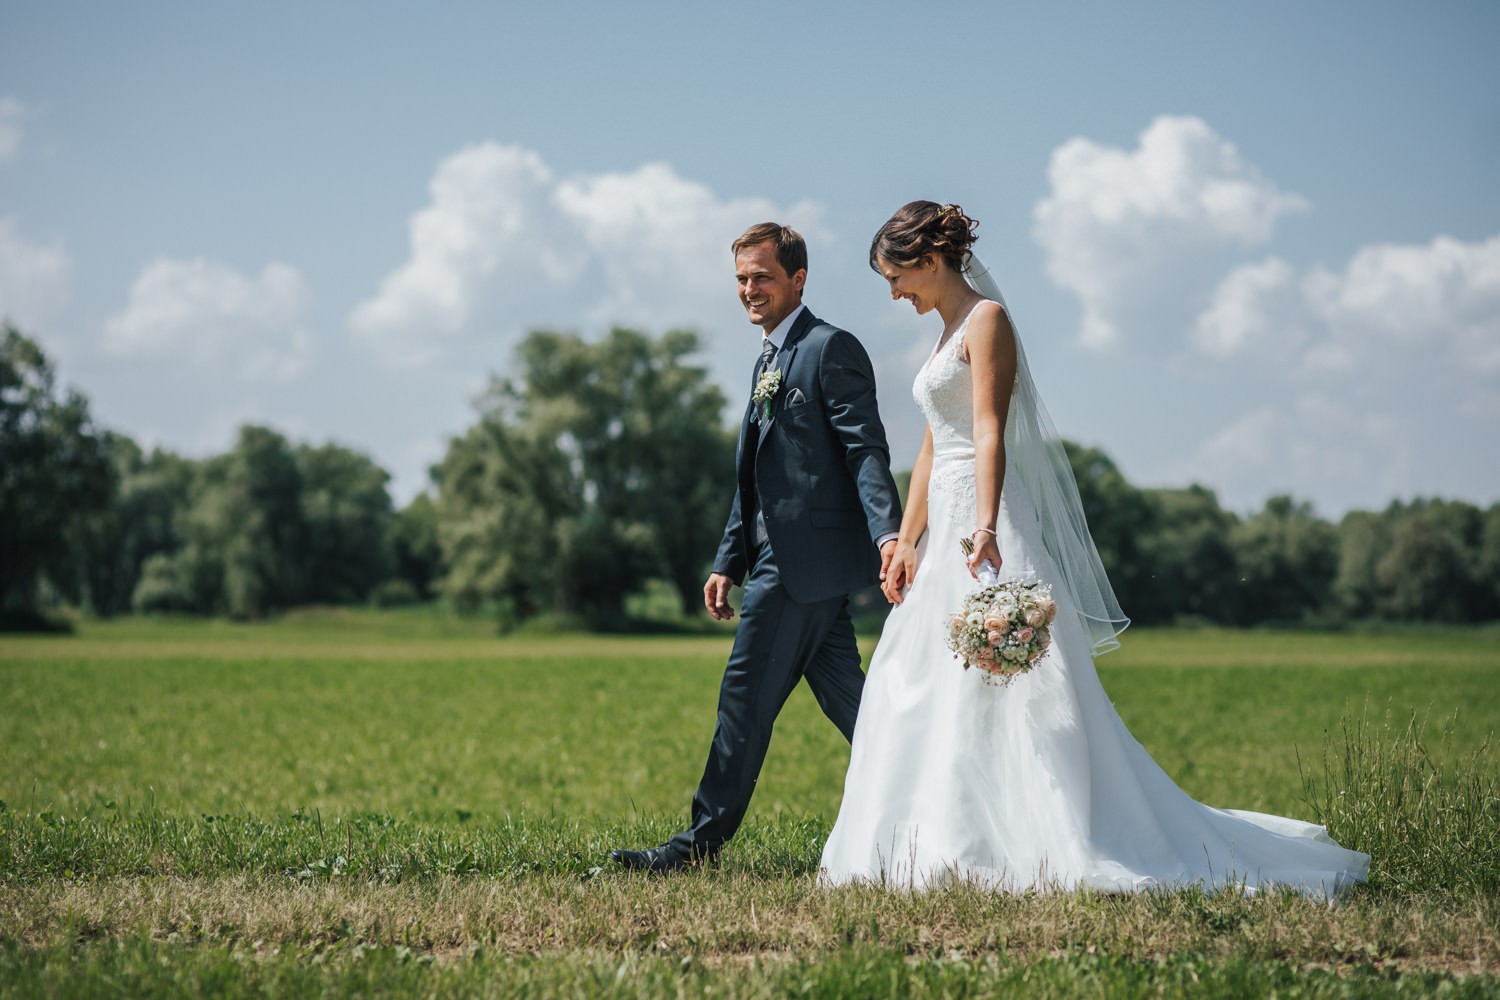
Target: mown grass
361 803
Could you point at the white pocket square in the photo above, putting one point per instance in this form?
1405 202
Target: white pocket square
795 398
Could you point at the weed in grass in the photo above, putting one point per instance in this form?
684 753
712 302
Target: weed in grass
1430 821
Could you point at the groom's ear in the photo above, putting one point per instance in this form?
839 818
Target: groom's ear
799 280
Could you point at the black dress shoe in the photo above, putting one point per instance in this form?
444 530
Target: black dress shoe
666 858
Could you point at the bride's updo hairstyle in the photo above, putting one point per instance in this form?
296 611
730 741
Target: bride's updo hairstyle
921 228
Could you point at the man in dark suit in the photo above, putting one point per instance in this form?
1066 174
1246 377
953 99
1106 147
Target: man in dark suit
815 517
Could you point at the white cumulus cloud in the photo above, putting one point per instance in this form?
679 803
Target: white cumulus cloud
34 277
1341 370
1440 300
1401 345
1316 446
504 244
1138 235
208 314
1255 305
1392 310
492 227
662 241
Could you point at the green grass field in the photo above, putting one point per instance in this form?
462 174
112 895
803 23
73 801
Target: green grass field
364 803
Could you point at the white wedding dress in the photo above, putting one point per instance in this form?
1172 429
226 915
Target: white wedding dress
1037 784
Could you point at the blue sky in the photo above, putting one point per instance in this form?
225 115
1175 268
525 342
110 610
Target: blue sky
1254 247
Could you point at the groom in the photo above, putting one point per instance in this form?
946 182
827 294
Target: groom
815 516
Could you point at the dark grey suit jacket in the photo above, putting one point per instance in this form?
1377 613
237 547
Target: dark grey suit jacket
820 468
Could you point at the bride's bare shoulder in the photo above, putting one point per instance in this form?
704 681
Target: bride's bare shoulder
988 331
991 317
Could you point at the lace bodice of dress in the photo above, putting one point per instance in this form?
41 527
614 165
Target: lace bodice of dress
945 394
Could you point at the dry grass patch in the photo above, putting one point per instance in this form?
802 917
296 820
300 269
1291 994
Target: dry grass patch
717 916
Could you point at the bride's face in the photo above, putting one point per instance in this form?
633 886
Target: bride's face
918 284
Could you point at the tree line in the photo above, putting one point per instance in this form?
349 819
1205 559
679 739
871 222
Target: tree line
596 470
90 519
599 469
1176 554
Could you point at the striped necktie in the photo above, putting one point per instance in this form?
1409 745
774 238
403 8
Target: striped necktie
767 353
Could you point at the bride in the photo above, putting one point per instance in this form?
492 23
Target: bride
1036 784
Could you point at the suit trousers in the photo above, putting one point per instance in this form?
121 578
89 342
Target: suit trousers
779 642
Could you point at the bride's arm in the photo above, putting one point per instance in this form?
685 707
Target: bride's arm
990 343
903 568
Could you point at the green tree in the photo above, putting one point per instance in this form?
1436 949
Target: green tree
154 489
1287 558
1431 567
416 551
502 494
1119 518
598 466
244 535
264 534
1489 558
1187 567
55 478
1427 560
346 518
1362 542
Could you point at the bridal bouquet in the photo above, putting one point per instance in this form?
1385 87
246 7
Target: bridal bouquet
1003 628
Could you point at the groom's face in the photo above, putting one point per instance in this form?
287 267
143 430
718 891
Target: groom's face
767 292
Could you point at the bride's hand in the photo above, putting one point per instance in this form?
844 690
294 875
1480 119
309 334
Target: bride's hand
986 549
899 574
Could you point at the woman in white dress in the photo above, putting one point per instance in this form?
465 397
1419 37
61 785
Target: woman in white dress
1035 784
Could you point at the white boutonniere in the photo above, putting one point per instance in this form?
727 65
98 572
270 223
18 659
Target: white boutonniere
766 388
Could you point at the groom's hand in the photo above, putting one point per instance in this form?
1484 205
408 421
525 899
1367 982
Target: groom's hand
716 596
900 568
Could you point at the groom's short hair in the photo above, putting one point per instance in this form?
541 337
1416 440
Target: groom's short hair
791 248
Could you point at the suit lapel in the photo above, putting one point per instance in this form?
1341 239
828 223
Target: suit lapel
784 359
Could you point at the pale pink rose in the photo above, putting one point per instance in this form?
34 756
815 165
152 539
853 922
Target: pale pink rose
1025 634
956 622
995 636
1036 616
1051 611
993 622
